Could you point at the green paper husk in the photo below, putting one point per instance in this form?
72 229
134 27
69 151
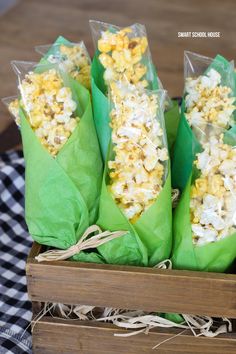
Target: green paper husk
185 149
62 193
101 108
148 241
212 257
186 145
172 119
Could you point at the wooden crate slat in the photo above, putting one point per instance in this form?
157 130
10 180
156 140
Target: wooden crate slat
131 287
52 336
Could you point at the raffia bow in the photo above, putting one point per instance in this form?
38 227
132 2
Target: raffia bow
84 243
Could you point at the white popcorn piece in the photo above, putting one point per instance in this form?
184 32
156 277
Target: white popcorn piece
213 202
132 210
228 168
209 216
129 132
203 161
141 175
109 75
195 118
62 118
214 77
202 232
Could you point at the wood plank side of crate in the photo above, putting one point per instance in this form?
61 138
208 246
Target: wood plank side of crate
131 287
52 336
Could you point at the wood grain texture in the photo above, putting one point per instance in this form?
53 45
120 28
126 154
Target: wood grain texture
34 22
52 336
131 287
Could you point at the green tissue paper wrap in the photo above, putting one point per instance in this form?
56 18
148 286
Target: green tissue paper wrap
100 106
172 118
148 241
62 193
186 144
212 257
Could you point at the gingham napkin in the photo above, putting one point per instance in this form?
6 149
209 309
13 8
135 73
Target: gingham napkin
15 243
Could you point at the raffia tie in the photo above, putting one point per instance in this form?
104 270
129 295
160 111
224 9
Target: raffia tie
84 243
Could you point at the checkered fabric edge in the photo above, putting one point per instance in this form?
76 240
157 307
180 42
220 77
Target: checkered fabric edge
15 243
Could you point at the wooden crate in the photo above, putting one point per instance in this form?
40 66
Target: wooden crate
129 288
51 336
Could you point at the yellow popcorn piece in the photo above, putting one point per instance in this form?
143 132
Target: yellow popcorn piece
83 76
200 187
49 108
216 185
121 56
106 60
104 46
137 171
14 107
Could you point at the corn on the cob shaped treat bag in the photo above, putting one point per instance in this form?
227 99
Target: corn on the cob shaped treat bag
136 190
204 227
209 97
61 150
122 53
72 58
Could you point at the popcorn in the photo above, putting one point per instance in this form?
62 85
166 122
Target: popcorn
213 194
49 106
74 60
137 171
208 101
14 107
121 55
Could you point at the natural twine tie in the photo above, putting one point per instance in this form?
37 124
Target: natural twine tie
84 243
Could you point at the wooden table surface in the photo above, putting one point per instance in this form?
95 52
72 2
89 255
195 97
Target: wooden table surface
33 22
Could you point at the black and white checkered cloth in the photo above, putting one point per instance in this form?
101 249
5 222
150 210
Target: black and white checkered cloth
15 243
